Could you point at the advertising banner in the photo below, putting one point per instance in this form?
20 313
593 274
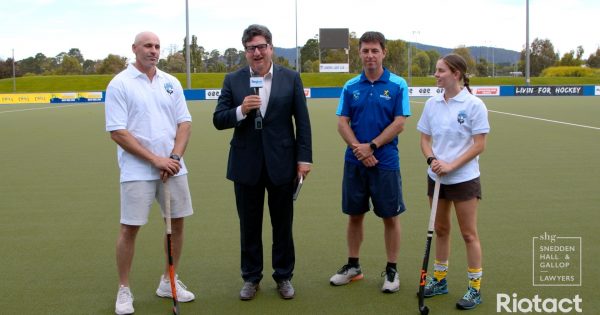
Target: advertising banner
307 92
486 90
424 91
597 90
69 97
334 67
89 97
546 90
26 98
212 94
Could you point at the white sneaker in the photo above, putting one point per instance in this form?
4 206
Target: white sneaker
164 290
391 283
124 304
345 275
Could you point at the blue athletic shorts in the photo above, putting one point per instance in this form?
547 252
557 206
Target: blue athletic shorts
383 187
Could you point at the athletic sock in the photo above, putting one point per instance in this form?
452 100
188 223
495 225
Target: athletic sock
440 269
390 265
353 261
474 275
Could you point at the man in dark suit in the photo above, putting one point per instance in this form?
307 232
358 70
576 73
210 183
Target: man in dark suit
269 150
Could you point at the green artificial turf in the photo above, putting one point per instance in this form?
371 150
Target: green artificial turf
60 212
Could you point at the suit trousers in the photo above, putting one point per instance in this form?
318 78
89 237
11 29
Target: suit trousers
250 204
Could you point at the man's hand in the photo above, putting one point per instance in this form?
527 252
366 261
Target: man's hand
303 169
167 166
361 150
370 161
250 102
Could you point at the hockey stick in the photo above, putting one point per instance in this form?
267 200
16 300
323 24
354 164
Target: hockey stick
434 202
167 194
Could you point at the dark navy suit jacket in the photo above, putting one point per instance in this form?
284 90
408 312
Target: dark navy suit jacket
286 135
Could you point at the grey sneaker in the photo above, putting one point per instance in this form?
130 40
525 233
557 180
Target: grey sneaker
285 289
391 283
248 291
124 304
435 287
346 274
470 300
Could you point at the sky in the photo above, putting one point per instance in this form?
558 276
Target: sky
102 27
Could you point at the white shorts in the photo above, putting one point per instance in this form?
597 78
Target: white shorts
137 198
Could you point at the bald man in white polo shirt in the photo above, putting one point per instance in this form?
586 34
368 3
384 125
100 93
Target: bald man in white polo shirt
147 116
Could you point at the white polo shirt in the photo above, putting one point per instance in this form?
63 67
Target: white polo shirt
150 111
452 126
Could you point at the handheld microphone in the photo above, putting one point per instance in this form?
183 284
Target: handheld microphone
257 82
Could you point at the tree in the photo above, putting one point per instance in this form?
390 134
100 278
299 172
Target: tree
212 61
34 65
60 56
421 59
541 56
482 67
112 64
310 52
75 52
89 66
6 68
70 65
579 52
310 66
434 56
355 63
395 58
282 62
466 54
196 53
175 63
231 58
568 59
594 60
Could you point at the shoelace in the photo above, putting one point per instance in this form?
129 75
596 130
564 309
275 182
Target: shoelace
344 270
471 294
431 282
285 284
180 284
124 294
390 275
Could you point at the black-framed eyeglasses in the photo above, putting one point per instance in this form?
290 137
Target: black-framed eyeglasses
260 47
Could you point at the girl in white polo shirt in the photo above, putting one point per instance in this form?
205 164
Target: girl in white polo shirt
453 130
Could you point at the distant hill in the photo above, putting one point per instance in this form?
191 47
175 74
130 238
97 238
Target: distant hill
500 55
287 53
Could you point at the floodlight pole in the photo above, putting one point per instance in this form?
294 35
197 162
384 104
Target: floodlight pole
409 65
14 71
187 46
493 63
527 49
297 49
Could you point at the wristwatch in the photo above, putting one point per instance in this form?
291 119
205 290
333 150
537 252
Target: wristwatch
175 157
373 146
430 159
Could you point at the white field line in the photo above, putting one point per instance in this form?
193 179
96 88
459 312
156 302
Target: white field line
40 108
536 118
547 120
